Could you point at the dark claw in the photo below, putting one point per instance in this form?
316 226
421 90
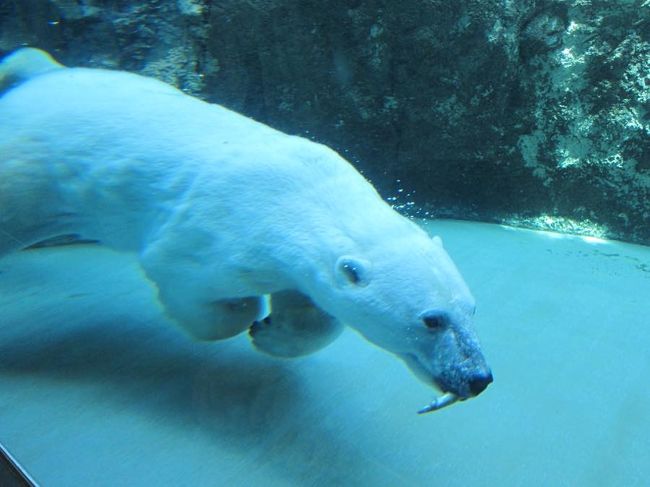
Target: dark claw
259 325
254 328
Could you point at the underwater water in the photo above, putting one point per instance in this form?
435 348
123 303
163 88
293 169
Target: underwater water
99 388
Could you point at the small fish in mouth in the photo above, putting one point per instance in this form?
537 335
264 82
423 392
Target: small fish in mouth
440 402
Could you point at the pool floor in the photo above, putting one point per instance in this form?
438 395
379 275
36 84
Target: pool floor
99 388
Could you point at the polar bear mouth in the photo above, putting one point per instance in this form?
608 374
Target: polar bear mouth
446 399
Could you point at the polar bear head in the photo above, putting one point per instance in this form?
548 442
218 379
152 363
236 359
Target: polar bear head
405 295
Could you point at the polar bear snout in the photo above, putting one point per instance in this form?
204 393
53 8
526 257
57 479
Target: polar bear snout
462 382
479 383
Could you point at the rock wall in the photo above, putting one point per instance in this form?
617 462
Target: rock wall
534 112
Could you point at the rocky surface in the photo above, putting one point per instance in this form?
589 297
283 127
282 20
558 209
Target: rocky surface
533 112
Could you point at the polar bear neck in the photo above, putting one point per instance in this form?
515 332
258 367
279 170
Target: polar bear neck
316 207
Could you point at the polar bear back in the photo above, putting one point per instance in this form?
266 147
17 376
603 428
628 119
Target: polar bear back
121 151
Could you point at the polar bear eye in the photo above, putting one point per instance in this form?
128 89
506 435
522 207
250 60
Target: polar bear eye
433 321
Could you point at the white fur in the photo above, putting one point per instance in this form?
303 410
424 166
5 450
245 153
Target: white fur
222 210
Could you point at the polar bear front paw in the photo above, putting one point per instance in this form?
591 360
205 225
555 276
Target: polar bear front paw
295 327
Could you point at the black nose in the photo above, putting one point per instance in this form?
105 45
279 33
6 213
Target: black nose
478 384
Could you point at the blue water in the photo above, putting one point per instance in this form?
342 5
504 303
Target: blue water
98 388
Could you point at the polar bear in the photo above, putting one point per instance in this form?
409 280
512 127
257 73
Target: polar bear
239 226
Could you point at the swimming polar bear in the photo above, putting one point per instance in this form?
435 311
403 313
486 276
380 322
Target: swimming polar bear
230 219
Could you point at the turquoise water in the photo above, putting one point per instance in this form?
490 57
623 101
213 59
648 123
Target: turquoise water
100 389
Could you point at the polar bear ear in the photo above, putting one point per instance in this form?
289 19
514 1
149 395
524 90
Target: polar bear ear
352 271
